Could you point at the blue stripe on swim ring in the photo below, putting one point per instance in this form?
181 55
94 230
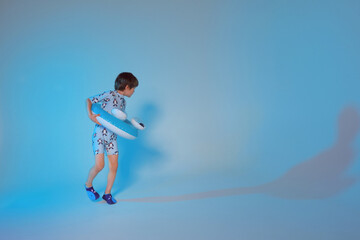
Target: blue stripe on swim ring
122 128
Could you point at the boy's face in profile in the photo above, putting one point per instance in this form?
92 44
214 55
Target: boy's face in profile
128 91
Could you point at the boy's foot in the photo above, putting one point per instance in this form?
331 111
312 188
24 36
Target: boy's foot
109 199
92 194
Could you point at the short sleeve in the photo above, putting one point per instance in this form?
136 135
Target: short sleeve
100 97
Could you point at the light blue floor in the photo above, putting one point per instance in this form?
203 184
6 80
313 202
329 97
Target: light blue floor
43 213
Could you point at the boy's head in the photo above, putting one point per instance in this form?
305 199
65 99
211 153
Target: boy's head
126 83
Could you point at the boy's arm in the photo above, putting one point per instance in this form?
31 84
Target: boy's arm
90 114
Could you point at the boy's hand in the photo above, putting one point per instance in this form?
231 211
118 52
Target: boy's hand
93 118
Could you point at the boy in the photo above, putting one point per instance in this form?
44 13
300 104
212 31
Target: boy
105 140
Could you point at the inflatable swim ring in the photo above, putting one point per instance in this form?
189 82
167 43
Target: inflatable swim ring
117 122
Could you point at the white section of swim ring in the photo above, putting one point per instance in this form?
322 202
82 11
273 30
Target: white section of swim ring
119 114
114 129
136 124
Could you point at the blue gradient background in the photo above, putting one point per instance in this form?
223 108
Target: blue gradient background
234 94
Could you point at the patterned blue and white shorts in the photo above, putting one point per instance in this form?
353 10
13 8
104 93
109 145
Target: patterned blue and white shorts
104 139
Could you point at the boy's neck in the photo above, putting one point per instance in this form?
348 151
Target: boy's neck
120 92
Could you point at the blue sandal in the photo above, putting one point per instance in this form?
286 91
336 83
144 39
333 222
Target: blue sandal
92 194
109 199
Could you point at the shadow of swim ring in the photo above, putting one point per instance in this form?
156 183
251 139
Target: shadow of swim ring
117 122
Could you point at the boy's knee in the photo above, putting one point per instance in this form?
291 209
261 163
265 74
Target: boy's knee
99 166
113 166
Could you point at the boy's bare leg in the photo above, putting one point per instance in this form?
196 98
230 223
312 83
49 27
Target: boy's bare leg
113 165
99 165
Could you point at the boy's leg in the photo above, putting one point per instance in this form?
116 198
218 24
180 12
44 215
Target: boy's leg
99 165
113 165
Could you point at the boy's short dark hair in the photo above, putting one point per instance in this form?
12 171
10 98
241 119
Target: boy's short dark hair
125 78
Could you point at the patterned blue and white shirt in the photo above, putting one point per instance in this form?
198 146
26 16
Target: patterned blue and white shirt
109 100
